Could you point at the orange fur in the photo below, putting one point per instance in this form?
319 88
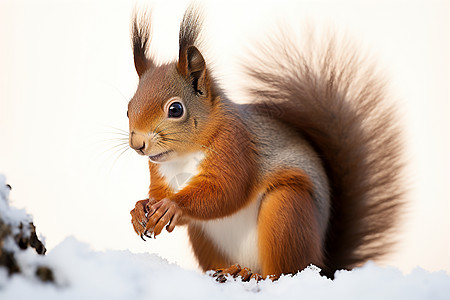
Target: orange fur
288 237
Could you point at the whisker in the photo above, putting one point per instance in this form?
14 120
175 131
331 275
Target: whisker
107 144
159 132
120 139
119 133
118 148
120 130
156 128
120 145
120 136
121 153
170 139
163 145
114 148
171 133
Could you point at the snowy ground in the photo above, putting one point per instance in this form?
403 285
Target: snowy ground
84 274
81 273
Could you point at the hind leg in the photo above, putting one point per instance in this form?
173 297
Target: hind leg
288 231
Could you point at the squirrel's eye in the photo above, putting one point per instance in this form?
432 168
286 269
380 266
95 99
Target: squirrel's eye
175 110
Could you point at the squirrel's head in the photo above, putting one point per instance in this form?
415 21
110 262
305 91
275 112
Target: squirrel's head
169 112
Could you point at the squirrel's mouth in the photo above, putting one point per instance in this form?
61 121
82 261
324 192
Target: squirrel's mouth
161 157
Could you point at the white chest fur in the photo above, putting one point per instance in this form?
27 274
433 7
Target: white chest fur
237 235
179 171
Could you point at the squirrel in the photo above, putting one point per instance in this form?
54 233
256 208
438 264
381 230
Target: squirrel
309 172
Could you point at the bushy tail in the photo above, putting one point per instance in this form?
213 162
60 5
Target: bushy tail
337 101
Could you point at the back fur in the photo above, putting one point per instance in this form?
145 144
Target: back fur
337 101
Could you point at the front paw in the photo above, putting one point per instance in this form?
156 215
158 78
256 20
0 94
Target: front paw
139 217
162 213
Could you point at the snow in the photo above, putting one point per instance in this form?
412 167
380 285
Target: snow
85 274
11 215
81 273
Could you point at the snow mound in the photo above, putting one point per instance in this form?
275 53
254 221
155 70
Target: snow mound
11 215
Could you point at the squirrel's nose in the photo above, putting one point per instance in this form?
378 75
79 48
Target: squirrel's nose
137 142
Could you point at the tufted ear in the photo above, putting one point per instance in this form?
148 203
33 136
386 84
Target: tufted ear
192 66
140 40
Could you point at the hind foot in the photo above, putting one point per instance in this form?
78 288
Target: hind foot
236 271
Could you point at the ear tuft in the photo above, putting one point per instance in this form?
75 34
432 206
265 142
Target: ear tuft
140 35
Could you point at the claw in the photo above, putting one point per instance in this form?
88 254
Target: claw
257 277
245 274
142 237
148 234
274 277
221 278
217 273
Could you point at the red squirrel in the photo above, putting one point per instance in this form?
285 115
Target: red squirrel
306 173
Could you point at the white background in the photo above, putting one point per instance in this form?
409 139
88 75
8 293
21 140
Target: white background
66 74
